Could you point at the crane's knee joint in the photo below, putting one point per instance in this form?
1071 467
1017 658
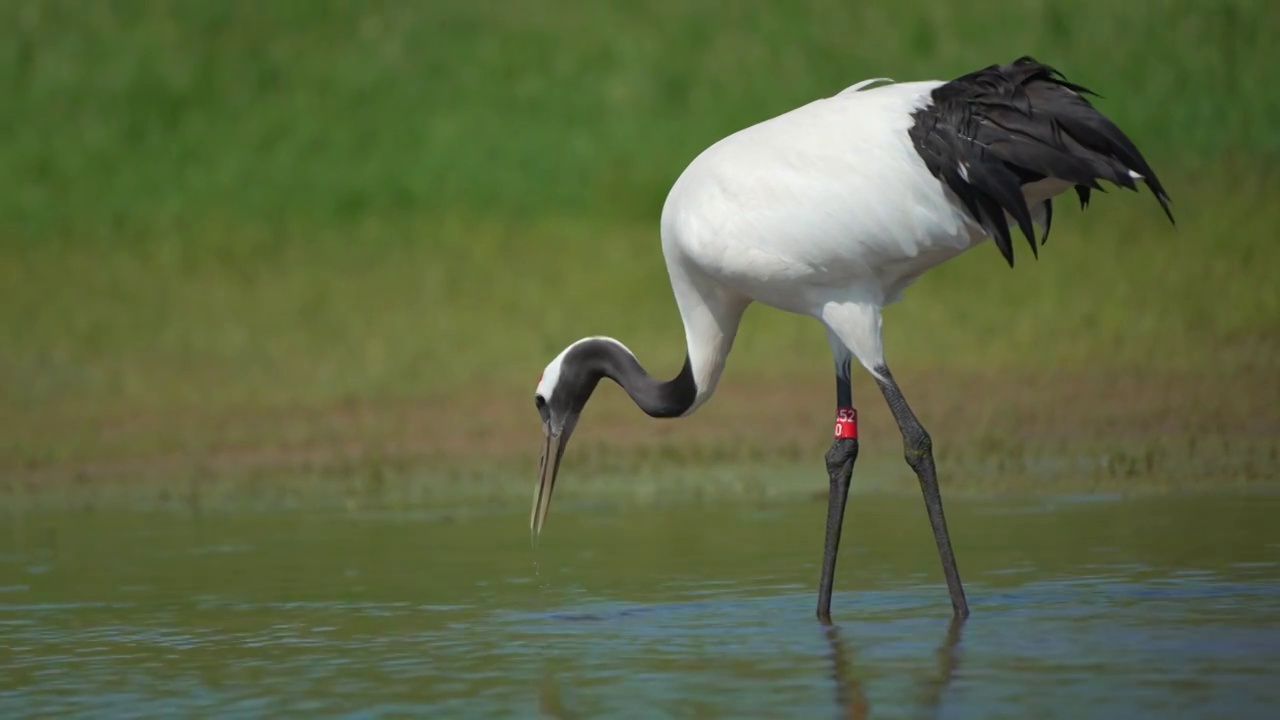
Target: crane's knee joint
842 455
918 448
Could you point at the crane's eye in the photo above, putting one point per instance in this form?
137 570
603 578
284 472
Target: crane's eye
541 403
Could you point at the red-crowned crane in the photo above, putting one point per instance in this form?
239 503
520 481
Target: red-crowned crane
833 209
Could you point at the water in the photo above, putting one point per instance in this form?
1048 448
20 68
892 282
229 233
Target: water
1083 607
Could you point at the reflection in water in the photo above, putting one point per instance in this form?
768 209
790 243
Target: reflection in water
850 694
851 698
550 704
948 661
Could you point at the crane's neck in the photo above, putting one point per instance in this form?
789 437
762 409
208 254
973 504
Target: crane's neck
707 348
605 357
711 322
661 399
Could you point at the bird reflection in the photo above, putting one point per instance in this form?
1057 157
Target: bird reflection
850 697
850 694
550 704
948 654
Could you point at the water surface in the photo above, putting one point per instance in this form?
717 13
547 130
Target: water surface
1083 607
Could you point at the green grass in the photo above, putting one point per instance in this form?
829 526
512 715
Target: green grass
217 204
142 117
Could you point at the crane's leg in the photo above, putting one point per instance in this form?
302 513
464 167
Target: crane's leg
919 451
840 459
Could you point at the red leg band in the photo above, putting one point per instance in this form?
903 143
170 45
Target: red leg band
846 423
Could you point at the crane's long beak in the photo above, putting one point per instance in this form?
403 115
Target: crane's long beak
552 451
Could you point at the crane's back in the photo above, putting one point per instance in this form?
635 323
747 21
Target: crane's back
831 194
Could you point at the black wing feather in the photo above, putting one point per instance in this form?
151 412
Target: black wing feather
1048 220
990 132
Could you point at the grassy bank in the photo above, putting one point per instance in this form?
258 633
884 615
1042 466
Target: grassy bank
163 353
326 227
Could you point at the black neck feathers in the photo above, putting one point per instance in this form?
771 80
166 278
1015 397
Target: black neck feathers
586 364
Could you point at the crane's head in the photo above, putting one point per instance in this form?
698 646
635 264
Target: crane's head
563 390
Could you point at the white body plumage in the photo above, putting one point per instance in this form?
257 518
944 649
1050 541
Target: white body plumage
827 210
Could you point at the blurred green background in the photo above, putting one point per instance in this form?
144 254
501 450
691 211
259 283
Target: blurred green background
218 210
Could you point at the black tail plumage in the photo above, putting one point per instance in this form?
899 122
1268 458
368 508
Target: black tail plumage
992 131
